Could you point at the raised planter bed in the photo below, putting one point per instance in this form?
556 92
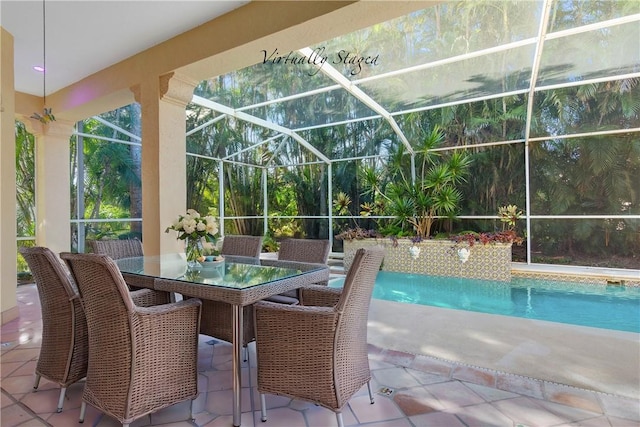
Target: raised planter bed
439 258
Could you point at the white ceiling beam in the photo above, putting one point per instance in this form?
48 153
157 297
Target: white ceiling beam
117 128
251 147
336 76
204 125
198 100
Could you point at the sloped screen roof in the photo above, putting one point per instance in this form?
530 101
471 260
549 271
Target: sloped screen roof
451 54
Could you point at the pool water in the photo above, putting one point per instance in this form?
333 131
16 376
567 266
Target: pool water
610 307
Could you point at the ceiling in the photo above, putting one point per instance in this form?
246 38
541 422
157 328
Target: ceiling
83 37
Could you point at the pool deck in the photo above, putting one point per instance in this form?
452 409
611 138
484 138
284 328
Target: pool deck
599 360
578 273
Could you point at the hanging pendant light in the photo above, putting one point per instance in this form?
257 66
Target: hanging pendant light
46 115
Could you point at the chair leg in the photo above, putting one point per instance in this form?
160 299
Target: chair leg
37 383
192 418
251 398
263 408
63 390
339 418
83 410
370 393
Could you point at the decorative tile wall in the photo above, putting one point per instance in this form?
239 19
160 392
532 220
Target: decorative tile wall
440 258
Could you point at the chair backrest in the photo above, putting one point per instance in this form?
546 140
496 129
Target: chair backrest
304 250
108 307
359 282
53 281
63 354
117 249
249 246
353 306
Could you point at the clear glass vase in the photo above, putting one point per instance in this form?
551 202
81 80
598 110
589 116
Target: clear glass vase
193 251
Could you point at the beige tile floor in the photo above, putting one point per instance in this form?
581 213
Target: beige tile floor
411 390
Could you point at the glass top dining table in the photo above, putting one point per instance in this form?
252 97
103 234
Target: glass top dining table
238 281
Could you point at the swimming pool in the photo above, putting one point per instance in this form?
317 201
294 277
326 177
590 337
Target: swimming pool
609 307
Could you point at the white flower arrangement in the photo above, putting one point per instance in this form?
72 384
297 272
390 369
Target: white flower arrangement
200 232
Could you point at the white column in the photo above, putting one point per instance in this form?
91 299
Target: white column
53 184
163 104
8 247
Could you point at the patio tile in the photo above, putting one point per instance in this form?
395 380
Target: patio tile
625 408
592 422
520 385
375 363
454 394
398 358
526 411
415 401
273 401
571 396
200 402
426 377
21 355
18 385
395 378
383 409
400 422
568 413
278 417
8 368
217 380
65 418
620 422
317 416
298 405
28 368
483 415
43 401
490 394
437 419
246 419
422 393
14 415
220 402
178 413
432 365
5 400
202 418
474 375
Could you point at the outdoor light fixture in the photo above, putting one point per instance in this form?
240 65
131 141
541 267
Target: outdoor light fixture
414 251
463 254
46 115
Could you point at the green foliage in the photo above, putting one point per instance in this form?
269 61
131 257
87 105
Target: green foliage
25 181
434 193
269 244
576 175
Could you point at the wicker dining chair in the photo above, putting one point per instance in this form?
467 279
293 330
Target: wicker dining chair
249 246
304 250
141 359
301 250
217 319
118 248
127 248
317 351
64 349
